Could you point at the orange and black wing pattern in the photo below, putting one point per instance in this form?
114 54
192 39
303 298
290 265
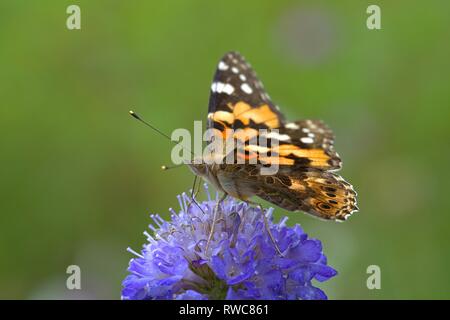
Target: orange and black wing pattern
240 110
239 107
238 99
308 144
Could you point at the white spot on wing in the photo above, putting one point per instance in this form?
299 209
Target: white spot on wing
242 77
228 88
222 66
306 140
246 88
292 125
277 136
235 70
220 87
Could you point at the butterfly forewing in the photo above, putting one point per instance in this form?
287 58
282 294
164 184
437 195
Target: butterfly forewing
238 99
310 145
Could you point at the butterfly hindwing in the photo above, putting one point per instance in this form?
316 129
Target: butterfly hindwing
320 193
323 194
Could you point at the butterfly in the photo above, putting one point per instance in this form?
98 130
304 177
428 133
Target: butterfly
306 178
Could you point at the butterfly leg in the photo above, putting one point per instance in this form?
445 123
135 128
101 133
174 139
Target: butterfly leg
266 225
193 195
213 226
198 190
194 192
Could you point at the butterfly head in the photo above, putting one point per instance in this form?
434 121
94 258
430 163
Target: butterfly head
206 164
207 172
199 169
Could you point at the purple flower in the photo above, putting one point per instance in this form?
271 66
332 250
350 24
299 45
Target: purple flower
241 261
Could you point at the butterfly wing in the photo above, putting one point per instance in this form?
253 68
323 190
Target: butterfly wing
304 150
308 144
238 99
322 194
304 180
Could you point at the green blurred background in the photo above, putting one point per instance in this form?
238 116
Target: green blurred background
79 176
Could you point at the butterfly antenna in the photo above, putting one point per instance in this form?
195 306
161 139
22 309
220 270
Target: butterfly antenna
165 168
134 115
137 117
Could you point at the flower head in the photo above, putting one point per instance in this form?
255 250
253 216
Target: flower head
240 262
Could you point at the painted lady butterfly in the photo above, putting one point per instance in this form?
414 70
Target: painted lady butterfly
305 180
